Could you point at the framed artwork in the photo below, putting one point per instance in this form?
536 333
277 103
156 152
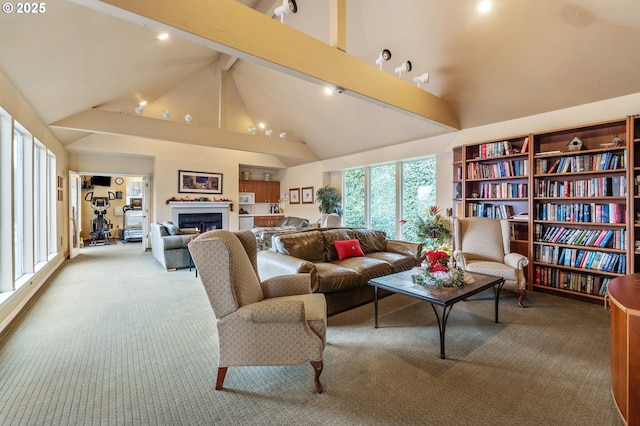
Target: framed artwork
199 182
307 195
294 196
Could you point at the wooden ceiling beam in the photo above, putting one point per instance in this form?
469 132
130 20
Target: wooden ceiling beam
230 27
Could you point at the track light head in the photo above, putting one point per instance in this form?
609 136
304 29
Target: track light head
288 7
188 118
268 133
283 135
384 56
251 130
138 109
421 79
405 67
166 114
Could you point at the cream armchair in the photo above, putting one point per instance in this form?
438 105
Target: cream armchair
275 322
483 245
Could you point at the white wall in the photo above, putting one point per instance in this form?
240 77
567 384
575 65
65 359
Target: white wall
16 106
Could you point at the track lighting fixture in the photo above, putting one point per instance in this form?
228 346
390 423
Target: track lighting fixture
384 56
405 67
287 8
421 79
138 109
283 135
188 118
251 130
166 114
268 133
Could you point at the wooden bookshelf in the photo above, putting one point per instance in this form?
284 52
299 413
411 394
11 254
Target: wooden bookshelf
574 188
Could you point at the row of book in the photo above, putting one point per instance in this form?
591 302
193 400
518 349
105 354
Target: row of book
501 169
497 149
602 238
580 258
582 163
504 190
581 212
500 211
574 281
604 186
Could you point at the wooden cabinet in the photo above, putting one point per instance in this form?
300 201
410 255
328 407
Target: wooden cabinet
624 300
265 191
569 190
265 220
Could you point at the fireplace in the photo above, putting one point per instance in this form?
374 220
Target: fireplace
203 214
203 221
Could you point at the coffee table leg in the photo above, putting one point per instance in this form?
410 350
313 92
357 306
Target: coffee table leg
442 324
498 289
375 306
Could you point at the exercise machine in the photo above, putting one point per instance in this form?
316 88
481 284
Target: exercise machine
100 225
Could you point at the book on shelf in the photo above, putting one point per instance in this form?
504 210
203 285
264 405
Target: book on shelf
544 153
525 144
521 216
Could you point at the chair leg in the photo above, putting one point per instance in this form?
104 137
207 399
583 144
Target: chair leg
523 293
222 371
317 366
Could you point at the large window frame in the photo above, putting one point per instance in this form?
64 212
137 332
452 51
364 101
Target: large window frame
358 194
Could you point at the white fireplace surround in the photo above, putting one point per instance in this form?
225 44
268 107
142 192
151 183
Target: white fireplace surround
178 207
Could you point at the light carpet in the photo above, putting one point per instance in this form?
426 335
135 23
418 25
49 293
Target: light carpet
116 340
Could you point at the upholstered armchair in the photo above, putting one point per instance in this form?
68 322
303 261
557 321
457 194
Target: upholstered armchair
274 322
483 245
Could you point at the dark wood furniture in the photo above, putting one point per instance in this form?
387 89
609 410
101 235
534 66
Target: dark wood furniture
442 297
624 300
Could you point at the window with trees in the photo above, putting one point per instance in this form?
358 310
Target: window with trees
380 197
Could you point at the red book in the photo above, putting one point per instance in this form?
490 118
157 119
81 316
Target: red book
525 144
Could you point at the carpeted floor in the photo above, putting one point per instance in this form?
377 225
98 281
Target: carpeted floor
115 339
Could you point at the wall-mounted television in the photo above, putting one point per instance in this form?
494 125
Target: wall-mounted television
101 180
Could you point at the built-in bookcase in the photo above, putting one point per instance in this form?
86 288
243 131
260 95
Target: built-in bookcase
573 199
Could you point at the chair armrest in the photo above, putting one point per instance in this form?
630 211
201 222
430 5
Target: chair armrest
286 285
273 311
272 264
461 260
406 247
174 241
516 260
188 230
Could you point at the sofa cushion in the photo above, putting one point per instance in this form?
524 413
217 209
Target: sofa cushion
399 262
332 277
348 248
366 267
162 230
307 245
171 228
332 235
371 240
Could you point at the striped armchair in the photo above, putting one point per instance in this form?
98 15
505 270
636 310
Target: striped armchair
483 245
274 322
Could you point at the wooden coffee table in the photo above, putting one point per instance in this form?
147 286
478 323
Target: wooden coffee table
438 297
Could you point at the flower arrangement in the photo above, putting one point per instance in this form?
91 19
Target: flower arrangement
438 270
434 228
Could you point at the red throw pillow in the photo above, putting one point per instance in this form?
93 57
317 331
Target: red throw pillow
348 248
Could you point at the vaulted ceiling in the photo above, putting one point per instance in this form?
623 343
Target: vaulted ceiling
84 69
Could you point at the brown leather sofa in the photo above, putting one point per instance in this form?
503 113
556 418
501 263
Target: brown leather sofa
343 282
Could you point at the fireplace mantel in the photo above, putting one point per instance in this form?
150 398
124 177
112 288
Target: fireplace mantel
178 207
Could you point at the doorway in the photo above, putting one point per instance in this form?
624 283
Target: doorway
113 209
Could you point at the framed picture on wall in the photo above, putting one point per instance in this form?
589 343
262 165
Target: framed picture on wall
199 182
294 196
307 195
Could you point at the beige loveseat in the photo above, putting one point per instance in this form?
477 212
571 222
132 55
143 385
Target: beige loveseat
343 282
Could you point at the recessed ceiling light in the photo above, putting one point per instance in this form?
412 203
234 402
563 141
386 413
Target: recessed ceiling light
328 90
484 6
162 36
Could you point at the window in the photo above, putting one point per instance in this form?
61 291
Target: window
353 199
18 202
382 193
134 189
379 196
